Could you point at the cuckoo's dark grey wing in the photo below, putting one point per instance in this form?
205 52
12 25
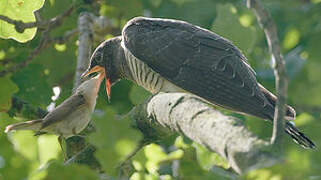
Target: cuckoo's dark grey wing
63 110
198 61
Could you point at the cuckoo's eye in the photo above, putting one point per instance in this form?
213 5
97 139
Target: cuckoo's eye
98 57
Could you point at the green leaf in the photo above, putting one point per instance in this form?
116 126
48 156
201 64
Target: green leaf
207 159
114 140
33 86
8 88
49 148
228 24
138 94
190 169
18 152
70 172
291 39
26 144
21 10
263 174
122 8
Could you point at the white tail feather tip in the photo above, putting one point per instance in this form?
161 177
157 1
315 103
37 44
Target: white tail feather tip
8 129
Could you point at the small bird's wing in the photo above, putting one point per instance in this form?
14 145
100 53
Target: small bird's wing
63 110
198 61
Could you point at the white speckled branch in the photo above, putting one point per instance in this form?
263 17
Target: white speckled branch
190 116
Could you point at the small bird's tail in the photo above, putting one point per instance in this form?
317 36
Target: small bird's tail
298 136
28 125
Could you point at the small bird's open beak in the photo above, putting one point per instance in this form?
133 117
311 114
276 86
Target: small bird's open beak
101 70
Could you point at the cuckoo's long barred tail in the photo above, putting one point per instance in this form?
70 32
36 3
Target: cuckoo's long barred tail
165 55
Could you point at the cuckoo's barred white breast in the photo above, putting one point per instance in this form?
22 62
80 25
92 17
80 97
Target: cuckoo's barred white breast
144 76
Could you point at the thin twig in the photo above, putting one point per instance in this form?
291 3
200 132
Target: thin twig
45 41
45 38
63 39
281 79
20 26
128 158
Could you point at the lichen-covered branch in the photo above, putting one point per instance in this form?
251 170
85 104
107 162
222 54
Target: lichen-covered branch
281 79
166 113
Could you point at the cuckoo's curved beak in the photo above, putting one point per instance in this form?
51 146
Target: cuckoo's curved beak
101 70
89 71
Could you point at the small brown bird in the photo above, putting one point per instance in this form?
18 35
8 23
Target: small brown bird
70 117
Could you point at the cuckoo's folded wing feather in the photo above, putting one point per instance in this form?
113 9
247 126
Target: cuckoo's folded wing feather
198 61
64 109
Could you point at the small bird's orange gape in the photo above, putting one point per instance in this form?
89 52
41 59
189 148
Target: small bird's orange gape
101 70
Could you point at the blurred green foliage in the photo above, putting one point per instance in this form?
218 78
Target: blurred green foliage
24 156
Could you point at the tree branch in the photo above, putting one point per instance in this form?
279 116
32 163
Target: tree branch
281 79
85 26
45 41
166 113
20 26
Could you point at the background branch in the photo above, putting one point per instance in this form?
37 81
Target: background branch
281 79
85 26
45 41
20 26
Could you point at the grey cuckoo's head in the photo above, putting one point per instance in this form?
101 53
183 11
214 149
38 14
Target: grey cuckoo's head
101 61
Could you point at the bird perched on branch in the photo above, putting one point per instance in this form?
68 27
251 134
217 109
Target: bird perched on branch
70 117
164 55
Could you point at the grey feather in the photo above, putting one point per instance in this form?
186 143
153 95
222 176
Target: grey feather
63 110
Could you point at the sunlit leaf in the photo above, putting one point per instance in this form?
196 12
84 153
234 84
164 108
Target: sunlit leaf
207 159
18 153
291 38
49 148
190 169
22 10
25 143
